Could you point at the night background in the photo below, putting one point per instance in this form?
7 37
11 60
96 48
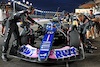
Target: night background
52 5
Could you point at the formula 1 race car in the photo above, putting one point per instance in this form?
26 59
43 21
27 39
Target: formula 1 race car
53 44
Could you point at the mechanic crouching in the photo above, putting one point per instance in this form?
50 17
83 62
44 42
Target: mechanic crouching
11 27
84 30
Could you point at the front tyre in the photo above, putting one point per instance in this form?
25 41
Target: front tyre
74 39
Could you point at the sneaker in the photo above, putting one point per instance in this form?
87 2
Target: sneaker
2 35
90 51
97 35
90 36
93 37
95 48
4 57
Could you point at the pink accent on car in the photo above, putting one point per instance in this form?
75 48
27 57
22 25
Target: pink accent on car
52 55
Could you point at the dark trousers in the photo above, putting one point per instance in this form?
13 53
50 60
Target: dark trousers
11 27
83 37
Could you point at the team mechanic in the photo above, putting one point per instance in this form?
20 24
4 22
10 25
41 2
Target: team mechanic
11 27
85 29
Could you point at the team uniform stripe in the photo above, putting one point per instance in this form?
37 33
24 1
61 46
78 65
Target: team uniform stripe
48 37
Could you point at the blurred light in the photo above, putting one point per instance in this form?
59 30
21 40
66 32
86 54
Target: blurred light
12 0
31 4
19 2
8 0
27 2
9 3
24 1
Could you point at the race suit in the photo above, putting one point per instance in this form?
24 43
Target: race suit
11 27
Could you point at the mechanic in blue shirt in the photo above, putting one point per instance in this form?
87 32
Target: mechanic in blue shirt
11 27
92 23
